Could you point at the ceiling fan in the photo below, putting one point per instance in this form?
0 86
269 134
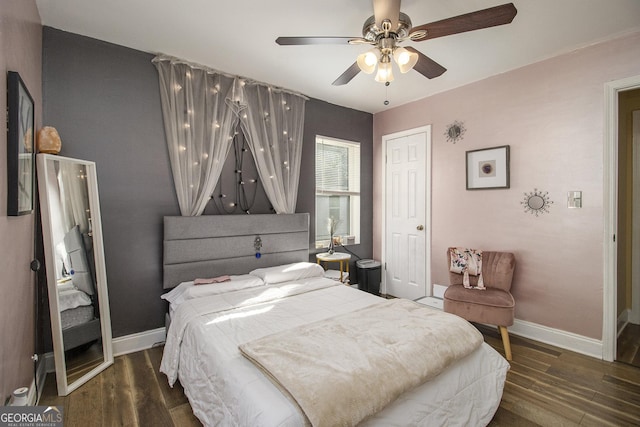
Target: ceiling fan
388 27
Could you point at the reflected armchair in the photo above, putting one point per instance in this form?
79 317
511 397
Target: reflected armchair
495 304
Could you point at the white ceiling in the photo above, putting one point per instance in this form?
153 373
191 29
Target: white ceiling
238 37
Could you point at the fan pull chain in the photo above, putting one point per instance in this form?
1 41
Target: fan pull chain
386 93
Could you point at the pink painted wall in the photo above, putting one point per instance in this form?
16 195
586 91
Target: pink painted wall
551 114
21 51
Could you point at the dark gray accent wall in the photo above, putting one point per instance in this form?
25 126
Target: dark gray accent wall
323 118
104 101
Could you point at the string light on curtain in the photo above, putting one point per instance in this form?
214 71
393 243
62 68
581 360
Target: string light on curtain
199 121
241 198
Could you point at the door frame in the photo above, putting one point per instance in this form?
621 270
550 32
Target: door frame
635 226
610 202
427 200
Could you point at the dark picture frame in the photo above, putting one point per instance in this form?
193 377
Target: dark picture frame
488 168
20 146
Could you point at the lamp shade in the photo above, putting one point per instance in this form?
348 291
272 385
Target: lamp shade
385 72
405 59
367 61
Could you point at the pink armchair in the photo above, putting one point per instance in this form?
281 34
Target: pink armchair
494 305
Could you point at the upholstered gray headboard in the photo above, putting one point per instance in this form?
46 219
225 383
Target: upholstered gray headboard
213 245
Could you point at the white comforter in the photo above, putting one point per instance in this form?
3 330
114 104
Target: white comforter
226 389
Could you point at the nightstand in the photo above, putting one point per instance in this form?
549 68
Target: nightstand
339 257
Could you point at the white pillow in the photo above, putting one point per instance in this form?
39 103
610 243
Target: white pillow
288 272
72 298
187 290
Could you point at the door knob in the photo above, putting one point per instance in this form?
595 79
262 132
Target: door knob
420 227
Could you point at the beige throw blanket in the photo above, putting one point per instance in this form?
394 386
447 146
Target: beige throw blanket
341 370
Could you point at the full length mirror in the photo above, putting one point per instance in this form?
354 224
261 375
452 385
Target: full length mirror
76 275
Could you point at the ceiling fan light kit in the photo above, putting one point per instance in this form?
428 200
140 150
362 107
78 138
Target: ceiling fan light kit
381 56
367 61
388 27
406 60
385 71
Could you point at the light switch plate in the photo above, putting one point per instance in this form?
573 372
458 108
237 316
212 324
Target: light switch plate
574 199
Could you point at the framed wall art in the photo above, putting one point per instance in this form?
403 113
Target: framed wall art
488 168
20 146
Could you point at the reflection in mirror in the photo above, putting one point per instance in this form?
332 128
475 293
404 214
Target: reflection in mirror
76 275
454 132
535 202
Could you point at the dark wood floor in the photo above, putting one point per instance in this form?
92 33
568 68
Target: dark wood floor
79 362
549 386
546 386
132 392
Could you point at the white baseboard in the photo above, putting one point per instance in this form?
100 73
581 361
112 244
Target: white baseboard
563 339
37 384
35 388
438 290
559 338
139 341
121 345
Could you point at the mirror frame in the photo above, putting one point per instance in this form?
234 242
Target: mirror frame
64 388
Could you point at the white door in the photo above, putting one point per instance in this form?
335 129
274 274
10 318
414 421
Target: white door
406 214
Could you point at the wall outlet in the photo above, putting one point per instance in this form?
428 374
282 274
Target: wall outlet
574 199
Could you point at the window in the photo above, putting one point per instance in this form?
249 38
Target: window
337 190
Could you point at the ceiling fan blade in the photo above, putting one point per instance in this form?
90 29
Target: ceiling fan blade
294 41
346 77
426 66
386 9
491 17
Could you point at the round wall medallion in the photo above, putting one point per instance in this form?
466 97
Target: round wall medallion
536 202
455 131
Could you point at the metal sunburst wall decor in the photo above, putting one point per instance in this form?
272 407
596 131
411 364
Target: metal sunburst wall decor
455 131
536 202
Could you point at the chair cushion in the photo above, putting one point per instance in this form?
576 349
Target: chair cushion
492 306
489 297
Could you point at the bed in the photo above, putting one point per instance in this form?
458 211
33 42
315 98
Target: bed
76 294
234 345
